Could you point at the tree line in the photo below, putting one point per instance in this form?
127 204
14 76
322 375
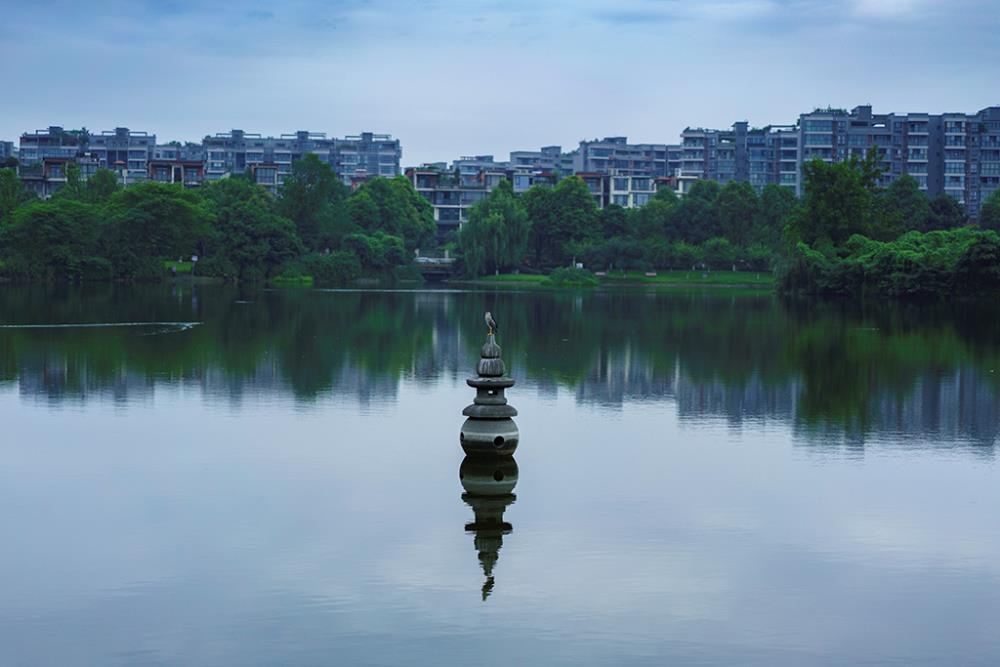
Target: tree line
713 226
850 236
846 234
96 230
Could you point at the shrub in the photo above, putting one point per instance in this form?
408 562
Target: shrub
573 277
336 268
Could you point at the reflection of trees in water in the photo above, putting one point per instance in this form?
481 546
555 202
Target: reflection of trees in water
841 366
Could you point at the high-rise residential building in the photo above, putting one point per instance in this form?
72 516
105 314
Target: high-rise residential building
785 142
833 135
943 152
6 150
698 153
675 156
983 177
954 153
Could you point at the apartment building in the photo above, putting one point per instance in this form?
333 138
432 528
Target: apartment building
270 159
54 142
450 197
7 150
549 159
615 156
239 152
122 150
177 163
46 155
469 167
366 155
524 180
631 191
984 158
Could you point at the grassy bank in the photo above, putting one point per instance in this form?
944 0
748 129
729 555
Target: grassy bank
728 279
180 268
720 278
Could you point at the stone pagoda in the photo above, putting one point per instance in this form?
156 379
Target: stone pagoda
489 429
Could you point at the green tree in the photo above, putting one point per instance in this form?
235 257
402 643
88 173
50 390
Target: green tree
499 228
616 221
564 219
74 185
946 213
720 253
393 206
100 186
654 219
902 207
250 240
12 193
777 203
736 210
309 196
155 221
620 252
378 251
836 204
989 215
54 240
694 221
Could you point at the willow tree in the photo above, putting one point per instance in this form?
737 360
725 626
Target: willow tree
496 236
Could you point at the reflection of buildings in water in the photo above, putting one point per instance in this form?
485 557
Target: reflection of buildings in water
959 407
622 374
625 375
963 404
748 400
58 379
489 486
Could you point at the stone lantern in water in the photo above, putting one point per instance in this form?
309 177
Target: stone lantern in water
489 429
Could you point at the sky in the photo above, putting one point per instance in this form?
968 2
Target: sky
466 77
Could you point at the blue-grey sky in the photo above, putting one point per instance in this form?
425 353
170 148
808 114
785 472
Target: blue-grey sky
451 77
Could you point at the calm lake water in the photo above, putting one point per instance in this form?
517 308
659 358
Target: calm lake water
272 477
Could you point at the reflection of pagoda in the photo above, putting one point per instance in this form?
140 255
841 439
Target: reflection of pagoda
489 486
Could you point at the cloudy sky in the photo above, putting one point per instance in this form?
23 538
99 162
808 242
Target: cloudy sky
460 77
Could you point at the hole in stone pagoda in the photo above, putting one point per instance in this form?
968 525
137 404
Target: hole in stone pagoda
498 441
498 475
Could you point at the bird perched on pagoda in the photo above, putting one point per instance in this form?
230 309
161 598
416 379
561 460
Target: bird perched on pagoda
491 323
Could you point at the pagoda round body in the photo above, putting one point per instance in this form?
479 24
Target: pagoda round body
489 437
489 429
